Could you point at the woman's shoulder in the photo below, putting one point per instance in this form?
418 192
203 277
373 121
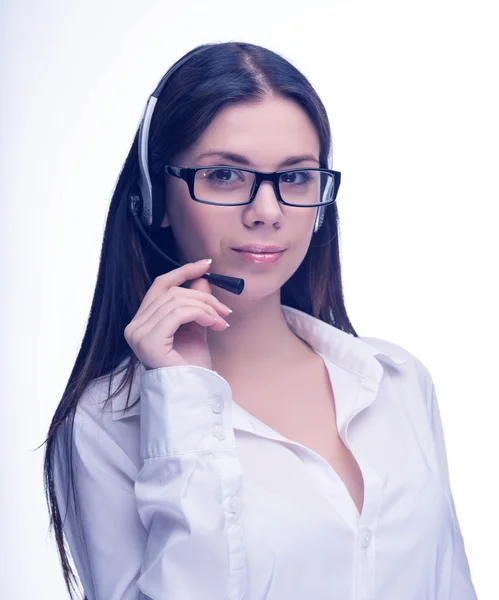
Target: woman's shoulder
410 364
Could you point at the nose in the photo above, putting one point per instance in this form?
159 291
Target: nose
265 208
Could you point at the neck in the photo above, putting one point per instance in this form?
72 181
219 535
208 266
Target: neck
258 341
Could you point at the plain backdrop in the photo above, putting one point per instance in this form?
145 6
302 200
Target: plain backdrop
411 89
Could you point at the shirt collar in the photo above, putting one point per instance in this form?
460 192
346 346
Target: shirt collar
360 355
344 349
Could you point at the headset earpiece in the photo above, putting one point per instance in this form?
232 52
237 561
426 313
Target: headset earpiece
319 219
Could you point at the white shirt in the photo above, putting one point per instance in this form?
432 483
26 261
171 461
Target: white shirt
189 497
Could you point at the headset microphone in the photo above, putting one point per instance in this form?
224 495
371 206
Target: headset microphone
231 284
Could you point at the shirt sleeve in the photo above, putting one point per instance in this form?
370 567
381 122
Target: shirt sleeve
462 586
171 528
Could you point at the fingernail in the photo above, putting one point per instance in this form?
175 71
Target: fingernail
206 261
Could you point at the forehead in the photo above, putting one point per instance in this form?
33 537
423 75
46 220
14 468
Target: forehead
265 131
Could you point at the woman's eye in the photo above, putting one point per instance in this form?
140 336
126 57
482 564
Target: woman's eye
295 178
224 175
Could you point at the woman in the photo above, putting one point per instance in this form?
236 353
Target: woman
283 457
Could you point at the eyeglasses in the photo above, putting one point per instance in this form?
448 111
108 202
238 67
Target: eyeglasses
224 185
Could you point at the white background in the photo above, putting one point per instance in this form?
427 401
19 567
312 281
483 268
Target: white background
411 89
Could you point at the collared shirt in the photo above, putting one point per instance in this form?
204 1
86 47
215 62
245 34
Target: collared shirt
187 496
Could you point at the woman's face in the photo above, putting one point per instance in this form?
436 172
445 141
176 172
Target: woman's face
267 133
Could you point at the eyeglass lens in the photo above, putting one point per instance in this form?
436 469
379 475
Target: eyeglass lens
232 186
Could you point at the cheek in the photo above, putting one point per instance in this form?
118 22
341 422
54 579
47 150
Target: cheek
303 235
198 228
303 227
183 220
190 236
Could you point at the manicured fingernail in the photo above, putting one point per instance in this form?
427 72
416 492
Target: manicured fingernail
206 261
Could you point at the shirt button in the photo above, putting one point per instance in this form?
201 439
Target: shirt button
234 505
217 405
366 539
219 432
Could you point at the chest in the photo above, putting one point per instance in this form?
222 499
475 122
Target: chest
301 407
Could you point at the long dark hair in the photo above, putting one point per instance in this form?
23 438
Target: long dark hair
221 75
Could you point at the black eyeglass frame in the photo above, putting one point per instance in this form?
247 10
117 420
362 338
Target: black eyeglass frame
188 174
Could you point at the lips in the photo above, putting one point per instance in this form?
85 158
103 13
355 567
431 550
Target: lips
259 249
259 258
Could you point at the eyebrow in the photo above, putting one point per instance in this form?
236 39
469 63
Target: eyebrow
244 160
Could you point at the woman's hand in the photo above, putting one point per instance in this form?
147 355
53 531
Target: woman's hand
169 329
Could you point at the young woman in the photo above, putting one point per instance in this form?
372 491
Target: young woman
283 457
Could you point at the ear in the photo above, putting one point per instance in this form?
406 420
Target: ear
166 221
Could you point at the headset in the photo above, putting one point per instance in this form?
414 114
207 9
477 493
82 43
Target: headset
140 202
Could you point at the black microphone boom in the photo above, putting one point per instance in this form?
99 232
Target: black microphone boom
231 284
